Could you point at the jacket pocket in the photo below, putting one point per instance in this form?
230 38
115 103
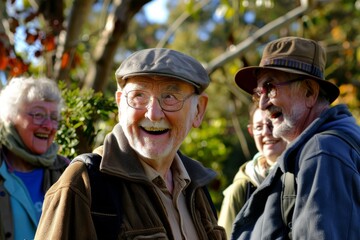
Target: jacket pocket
151 233
107 225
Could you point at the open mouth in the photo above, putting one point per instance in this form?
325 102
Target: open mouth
42 136
268 142
155 131
275 114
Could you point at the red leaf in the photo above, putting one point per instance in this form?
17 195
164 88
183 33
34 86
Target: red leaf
48 42
31 38
65 60
17 66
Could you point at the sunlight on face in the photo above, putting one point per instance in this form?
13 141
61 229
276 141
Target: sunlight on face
153 133
37 137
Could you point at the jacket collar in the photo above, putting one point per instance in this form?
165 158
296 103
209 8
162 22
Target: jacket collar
120 159
329 119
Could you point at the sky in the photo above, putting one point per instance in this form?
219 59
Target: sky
156 11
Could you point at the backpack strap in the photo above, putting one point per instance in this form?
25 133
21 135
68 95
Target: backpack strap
345 137
106 204
288 195
208 196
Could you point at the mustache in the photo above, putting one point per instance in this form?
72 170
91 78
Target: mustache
271 110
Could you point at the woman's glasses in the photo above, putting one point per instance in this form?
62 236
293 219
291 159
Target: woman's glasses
39 117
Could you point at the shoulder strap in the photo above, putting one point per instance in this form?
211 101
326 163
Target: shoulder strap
288 197
345 137
208 196
106 204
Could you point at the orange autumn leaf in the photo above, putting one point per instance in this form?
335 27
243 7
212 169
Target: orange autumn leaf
48 42
65 60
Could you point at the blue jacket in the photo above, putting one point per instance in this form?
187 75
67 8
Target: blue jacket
328 187
14 197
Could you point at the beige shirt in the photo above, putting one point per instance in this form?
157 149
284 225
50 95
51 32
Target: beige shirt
178 214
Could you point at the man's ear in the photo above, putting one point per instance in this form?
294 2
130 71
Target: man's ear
118 96
201 108
312 92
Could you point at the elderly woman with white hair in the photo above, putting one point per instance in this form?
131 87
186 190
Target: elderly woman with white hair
29 160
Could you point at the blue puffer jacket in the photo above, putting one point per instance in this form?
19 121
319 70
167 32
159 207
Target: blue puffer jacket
328 187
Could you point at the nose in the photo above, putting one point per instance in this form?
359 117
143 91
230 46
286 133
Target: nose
263 101
47 123
267 129
154 111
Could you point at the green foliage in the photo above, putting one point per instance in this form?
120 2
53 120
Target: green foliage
83 111
208 144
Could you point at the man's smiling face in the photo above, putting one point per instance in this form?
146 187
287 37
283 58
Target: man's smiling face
153 132
287 109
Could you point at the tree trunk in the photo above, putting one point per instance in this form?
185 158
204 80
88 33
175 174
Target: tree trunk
69 39
116 26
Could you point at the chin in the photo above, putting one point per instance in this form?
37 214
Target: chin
39 151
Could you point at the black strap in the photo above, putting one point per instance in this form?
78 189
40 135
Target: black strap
106 204
208 196
345 137
288 195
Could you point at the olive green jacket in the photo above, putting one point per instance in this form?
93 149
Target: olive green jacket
235 196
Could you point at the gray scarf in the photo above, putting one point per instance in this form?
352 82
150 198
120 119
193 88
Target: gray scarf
10 138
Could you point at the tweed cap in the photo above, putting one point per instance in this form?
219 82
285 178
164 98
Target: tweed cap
293 55
164 62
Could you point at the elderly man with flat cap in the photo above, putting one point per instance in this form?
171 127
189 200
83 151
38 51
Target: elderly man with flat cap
314 192
138 185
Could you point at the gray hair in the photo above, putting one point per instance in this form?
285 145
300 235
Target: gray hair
22 90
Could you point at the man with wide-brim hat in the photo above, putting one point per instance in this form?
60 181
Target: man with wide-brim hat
293 55
319 163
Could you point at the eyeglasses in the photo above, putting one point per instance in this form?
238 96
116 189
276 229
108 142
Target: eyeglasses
258 129
39 118
169 102
270 88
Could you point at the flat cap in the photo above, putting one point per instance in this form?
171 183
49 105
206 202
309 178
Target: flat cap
164 62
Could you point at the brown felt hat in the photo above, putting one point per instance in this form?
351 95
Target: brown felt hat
164 62
293 55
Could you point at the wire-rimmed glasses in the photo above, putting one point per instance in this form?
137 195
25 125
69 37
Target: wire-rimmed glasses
270 88
39 117
169 101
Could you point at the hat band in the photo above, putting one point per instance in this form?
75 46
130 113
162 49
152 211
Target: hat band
294 64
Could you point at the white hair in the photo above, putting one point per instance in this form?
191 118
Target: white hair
22 90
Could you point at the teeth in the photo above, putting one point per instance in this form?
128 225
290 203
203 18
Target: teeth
154 129
42 135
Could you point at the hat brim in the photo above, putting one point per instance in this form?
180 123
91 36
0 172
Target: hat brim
246 79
